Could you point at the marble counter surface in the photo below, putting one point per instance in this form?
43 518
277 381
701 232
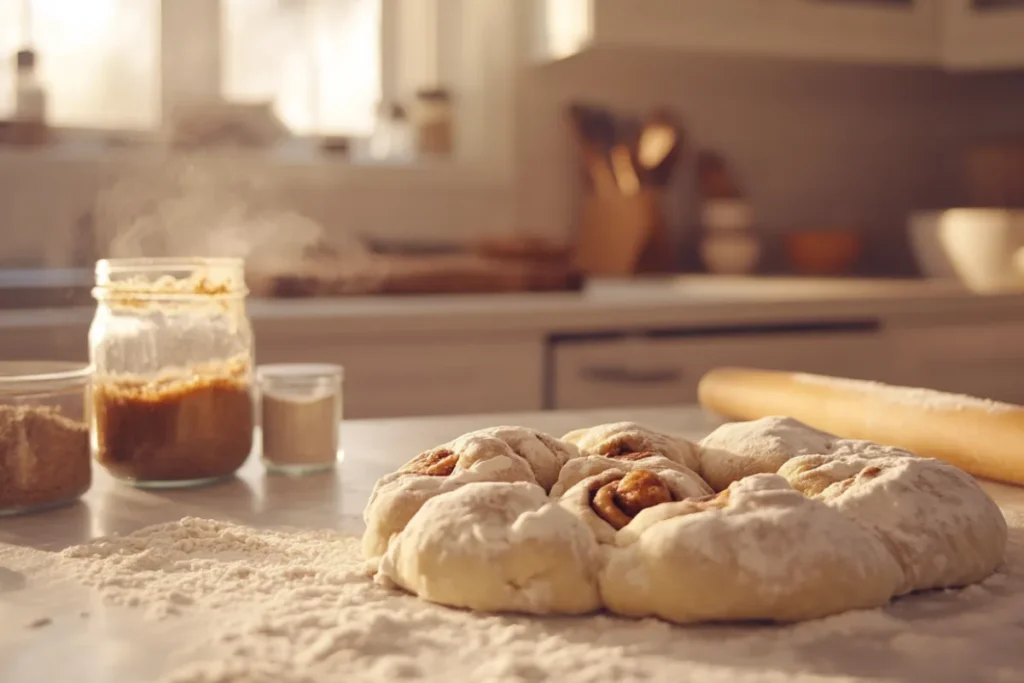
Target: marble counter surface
114 645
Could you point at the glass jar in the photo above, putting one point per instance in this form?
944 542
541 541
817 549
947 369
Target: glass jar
44 435
172 354
300 416
434 127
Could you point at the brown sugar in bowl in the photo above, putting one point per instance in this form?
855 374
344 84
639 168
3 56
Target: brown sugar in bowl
822 252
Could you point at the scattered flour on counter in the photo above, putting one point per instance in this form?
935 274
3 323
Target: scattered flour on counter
197 562
301 608
910 396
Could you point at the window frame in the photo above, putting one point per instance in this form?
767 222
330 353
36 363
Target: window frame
191 70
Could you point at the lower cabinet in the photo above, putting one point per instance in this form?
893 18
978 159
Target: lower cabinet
64 342
425 374
980 359
665 370
402 374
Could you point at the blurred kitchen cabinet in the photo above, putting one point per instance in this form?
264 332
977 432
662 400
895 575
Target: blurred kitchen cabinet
979 359
856 31
45 340
666 369
425 374
983 34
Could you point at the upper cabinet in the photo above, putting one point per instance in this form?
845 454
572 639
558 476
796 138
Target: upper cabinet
983 34
956 34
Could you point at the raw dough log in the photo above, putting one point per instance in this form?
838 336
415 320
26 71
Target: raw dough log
497 547
983 437
941 527
758 551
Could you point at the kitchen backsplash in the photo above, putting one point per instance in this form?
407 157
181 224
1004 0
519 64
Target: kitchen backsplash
815 145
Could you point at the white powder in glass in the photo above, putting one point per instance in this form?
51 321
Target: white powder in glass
300 608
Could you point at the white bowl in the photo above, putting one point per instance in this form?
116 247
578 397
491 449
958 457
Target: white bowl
983 248
726 215
730 253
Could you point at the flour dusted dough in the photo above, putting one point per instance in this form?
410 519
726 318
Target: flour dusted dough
396 497
740 449
760 551
625 438
578 469
497 547
941 527
620 516
579 500
545 454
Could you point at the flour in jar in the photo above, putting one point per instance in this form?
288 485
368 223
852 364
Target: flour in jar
298 607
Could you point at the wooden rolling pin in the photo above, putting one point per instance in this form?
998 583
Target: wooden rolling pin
982 437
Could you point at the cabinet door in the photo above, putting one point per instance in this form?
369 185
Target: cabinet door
722 25
422 375
666 371
857 31
983 34
980 359
64 341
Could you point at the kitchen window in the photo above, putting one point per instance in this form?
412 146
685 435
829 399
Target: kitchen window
124 64
318 61
98 59
177 53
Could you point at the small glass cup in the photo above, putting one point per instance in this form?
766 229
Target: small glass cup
44 435
300 416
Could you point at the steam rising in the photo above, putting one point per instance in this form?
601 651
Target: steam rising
215 208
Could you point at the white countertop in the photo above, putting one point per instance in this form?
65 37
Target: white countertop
615 304
115 645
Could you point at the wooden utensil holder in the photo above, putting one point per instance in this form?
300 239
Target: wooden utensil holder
623 234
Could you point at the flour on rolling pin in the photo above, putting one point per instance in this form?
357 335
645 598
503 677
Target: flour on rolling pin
928 399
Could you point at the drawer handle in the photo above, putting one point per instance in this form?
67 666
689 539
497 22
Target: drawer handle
620 375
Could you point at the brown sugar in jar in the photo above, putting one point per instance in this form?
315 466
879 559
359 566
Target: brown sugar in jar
174 431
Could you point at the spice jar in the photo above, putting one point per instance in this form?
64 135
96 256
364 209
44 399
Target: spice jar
432 115
44 435
300 416
172 348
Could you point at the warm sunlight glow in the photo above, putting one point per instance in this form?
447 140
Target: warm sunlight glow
98 59
318 61
568 26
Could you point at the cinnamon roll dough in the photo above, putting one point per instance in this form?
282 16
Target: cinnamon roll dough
578 469
619 439
939 525
611 499
740 449
396 497
497 547
545 454
622 517
494 454
759 551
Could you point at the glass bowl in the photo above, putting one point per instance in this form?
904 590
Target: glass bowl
44 434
